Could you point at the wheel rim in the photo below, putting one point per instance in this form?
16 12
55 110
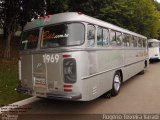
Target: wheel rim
117 82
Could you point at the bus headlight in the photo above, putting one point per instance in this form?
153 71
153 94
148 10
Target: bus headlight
69 70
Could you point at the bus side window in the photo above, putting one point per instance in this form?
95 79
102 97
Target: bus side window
90 36
99 37
135 42
105 37
119 38
113 38
126 41
144 43
131 41
140 42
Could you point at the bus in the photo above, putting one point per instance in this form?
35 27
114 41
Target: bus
72 56
154 49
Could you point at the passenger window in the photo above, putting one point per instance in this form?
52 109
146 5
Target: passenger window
90 36
144 43
113 38
105 37
119 38
135 42
140 42
131 41
126 41
99 37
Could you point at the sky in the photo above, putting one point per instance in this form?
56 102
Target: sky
158 1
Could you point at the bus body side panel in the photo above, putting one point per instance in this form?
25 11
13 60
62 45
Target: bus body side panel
26 71
110 61
90 81
88 87
134 62
100 67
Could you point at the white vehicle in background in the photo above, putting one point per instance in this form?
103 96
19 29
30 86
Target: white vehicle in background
154 49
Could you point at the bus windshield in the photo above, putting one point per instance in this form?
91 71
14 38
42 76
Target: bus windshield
62 35
30 39
153 44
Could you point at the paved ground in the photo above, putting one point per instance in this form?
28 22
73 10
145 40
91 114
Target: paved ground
140 94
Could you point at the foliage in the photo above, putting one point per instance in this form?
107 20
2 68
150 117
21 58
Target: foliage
9 82
146 18
30 10
9 16
116 12
56 6
157 5
141 16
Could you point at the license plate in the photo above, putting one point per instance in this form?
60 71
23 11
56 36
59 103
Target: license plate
39 81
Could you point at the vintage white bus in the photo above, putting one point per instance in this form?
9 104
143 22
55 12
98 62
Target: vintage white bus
154 49
71 56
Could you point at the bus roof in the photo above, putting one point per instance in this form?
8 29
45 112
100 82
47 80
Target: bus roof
153 40
74 17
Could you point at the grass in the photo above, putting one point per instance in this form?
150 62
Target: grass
8 84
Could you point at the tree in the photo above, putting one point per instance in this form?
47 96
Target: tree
146 18
56 6
32 10
114 11
15 13
9 17
90 7
157 5
141 16
138 16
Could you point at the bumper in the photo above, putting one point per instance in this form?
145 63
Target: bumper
53 95
154 58
24 90
64 96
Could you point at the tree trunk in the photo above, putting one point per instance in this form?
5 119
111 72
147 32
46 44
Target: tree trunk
7 52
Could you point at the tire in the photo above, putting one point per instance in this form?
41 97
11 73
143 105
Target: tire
141 73
107 95
117 80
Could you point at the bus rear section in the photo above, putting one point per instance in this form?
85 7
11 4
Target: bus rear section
48 67
154 49
51 75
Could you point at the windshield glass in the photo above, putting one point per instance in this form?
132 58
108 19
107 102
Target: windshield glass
153 44
29 39
62 35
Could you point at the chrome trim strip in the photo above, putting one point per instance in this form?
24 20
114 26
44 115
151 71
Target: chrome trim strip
110 70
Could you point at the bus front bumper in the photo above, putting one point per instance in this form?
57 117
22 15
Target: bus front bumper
64 96
24 90
53 95
154 58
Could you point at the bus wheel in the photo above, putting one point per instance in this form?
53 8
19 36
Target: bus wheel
141 73
107 94
116 83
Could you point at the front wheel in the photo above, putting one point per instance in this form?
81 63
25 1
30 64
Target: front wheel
116 83
141 73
